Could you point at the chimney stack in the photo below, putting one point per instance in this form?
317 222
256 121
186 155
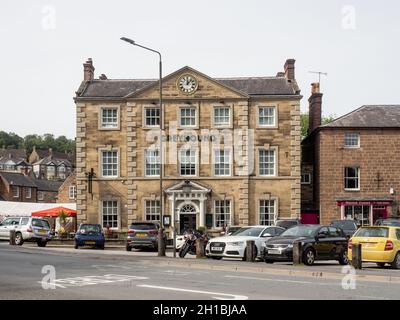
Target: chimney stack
315 108
88 70
289 69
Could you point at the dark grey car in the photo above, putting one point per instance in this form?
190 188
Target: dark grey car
142 235
349 227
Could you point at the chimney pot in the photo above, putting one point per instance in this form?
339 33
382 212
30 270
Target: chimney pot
88 70
103 77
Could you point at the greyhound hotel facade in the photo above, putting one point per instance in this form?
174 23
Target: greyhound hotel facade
231 149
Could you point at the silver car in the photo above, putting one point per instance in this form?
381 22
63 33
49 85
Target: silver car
27 229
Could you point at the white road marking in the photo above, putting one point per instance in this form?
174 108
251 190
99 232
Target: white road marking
215 295
91 280
280 280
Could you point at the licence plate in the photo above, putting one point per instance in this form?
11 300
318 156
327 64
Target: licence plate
217 248
274 251
90 242
141 235
42 231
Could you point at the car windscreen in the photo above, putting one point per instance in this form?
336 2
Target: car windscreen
248 232
345 225
373 232
286 223
300 231
390 223
90 228
40 223
143 226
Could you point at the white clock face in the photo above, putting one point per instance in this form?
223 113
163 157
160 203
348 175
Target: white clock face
187 84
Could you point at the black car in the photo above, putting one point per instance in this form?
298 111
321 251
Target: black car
349 227
287 223
318 243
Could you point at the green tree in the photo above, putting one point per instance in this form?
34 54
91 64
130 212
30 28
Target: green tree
10 140
304 122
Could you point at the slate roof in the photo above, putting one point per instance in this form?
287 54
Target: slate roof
47 185
369 116
44 153
13 153
250 85
17 179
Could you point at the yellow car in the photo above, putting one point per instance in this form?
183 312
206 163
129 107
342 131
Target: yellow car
380 244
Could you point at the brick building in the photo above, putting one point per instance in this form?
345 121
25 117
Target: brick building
231 149
351 166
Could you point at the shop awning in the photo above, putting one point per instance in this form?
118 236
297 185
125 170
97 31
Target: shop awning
54 212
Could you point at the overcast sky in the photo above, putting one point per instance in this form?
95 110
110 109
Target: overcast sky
44 43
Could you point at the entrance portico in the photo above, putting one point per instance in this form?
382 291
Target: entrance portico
188 202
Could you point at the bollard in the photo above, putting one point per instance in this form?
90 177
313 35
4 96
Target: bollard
297 253
161 243
356 256
12 237
200 248
250 251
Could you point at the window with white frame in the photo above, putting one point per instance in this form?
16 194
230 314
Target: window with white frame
222 163
51 171
62 171
109 163
222 209
152 117
352 178
188 117
306 178
152 210
267 116
72 192
267 212
109 118
28 193
40 195
187 162
351 140
266 162
152 163
15 191
222 116
110 214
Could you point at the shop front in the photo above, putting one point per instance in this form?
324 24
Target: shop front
365 212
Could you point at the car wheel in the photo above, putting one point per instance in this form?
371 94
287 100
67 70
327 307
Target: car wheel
381 264
18 239
396 262
41 243
128 248
216 258
343 259
309 257
101 247
269 261
76 246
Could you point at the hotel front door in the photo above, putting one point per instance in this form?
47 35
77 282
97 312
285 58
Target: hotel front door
187 222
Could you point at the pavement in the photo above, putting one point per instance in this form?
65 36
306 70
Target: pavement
27 273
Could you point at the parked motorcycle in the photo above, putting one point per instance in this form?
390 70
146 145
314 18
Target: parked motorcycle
190 243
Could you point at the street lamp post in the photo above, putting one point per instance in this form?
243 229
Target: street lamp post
161 249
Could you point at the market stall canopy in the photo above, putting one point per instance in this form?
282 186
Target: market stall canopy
54 212
25 209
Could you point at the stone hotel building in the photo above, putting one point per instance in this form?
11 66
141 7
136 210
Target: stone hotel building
231 149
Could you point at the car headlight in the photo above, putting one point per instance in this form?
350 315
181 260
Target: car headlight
236 244
290 246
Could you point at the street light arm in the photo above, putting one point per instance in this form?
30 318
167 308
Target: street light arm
132 42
